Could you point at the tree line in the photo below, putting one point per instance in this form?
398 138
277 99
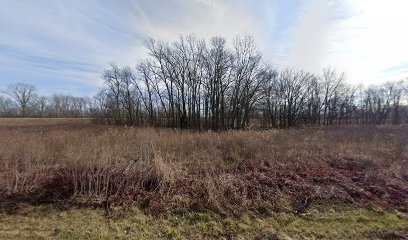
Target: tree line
22 100
199 84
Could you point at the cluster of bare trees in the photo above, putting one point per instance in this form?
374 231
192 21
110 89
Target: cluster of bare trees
199 84
193 83
22 100
189 84
387 102
295 97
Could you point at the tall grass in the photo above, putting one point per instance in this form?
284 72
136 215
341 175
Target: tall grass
170 170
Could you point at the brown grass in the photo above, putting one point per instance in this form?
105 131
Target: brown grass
164 170
43 121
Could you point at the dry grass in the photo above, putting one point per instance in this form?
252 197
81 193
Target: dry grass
278 184
164 171
43 121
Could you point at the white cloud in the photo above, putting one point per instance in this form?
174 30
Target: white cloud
365 38
309 35
204 18
370 40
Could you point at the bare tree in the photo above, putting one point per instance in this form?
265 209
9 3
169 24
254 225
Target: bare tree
41 104
23 94
7 106
245 66
113 85
331 81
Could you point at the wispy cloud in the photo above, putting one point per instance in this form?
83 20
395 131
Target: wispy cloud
370 39
63 46
68 42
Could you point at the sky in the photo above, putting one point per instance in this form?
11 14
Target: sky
63 46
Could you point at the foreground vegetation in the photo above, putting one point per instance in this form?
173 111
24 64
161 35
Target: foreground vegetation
90 181
328 222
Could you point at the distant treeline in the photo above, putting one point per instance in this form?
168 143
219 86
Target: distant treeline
199 84
22 100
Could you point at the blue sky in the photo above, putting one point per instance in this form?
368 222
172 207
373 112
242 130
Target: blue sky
64 46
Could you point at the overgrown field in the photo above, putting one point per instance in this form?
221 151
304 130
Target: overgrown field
276 177
43 121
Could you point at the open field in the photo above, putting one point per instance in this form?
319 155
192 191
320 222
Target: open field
43 121
331 182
